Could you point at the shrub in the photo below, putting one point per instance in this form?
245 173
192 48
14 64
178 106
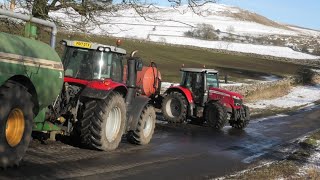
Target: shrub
203 31
305 48
316 51
277 42
230 29
306 75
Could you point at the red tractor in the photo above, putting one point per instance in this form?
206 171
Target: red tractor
199 97
96 105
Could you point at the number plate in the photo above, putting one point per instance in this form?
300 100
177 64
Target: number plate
82 44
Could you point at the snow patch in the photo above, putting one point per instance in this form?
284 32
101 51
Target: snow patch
268 118
299 96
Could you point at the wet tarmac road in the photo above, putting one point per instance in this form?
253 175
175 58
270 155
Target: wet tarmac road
176 152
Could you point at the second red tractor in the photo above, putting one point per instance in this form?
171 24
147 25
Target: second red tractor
198 97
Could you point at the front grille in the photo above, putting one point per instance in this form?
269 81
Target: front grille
238 102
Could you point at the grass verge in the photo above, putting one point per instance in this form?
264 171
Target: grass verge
271 92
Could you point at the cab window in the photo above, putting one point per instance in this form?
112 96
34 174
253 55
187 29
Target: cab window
212 80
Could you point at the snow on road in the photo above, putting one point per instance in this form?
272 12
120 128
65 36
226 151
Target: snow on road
298 96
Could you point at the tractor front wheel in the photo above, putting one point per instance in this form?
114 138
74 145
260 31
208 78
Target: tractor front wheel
145 129
215 115
16 115
243 118
174 107
103 122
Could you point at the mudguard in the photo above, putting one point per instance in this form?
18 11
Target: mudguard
135 110
185 91
95 93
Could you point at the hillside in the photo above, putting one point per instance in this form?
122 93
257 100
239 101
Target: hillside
234 29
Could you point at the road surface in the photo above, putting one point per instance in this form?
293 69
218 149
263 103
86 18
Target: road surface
176 152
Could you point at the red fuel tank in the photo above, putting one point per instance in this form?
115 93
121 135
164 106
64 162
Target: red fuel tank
148 80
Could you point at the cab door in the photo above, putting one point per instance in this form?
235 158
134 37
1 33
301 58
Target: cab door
198 87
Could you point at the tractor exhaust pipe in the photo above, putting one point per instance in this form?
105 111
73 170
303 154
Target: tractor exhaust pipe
133 65
133 53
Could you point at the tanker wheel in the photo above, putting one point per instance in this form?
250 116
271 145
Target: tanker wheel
174 107
216 115
16 116
103 122
145 128
243 121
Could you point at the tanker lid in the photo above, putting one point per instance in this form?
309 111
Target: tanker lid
199 70
94 46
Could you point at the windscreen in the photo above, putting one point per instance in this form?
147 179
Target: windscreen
91 64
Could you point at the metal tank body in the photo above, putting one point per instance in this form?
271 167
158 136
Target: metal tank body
31 60
147 80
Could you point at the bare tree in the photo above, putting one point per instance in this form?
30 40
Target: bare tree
41 8
96 13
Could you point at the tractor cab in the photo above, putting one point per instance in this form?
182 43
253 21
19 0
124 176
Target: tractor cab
198 81
92 61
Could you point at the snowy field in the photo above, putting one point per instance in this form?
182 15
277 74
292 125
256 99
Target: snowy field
298 96
168 25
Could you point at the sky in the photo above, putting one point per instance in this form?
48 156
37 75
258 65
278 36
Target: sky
297 12
302 13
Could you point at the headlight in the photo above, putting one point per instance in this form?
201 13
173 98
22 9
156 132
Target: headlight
63 42
237 101
100 48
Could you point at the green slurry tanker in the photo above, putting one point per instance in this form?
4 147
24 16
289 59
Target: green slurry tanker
31 77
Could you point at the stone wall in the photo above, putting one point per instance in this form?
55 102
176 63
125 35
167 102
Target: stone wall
247 89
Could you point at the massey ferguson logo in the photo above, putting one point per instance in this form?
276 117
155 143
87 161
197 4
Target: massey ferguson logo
218 92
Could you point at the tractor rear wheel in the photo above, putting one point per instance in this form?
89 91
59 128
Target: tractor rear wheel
103 122
16 116
215 115
243 119
145 129
174 107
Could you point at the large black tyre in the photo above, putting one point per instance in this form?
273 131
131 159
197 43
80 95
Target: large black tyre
16 116
242 121
103 122
145 128
174 107
84 123
215 115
